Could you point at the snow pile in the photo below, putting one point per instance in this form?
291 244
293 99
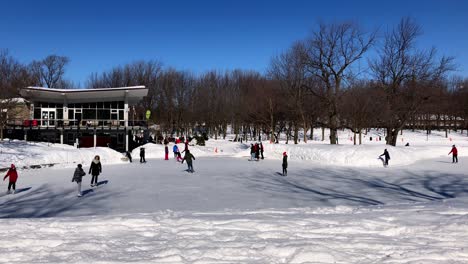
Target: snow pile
23 153
420 233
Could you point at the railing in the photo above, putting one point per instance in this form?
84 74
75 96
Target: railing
73 123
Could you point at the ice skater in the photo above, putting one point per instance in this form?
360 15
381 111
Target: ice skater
142 155
188 157
129 156
77 177
454 152
261 149
166 152
95 169
285 164
387 157
175 149
252 152
13 174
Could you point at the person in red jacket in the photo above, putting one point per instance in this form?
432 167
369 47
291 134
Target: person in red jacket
13 174
454 152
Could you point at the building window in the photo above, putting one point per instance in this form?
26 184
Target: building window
37 113
71 114
103 114
89 114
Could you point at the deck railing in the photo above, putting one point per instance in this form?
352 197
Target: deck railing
74 124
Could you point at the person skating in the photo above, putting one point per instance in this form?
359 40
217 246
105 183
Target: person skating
188 157
387 157
454 152
78 176
129 156
257 152
186 146
252 152
179 157
95 169
142 155
261 149
175 149
13 177
166 152
285 164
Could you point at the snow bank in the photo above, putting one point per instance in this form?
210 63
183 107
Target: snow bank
419 233
344 154
23 153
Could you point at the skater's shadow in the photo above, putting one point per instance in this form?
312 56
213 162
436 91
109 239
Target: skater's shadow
22 190
88 191
102 182
440 161
46 202
279 173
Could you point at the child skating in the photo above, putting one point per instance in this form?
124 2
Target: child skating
13 176
188 157
77 177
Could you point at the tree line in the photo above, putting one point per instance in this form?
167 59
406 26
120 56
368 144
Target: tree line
328 80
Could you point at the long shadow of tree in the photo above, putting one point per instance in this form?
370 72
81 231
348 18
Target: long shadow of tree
352 186
44 202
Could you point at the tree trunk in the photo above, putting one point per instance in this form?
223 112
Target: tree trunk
296 133
392 135
323 133
305 131
354 132
272 128
311 133
360 136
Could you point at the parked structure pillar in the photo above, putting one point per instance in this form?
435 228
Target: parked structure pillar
95 138
61 136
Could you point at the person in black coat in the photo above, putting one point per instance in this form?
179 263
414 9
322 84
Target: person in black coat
142 155
129 155
261 149
387 157
95 169
285 164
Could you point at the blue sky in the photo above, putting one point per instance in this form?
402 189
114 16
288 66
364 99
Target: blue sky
202 35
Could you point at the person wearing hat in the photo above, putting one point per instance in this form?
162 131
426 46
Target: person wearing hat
78 176
454 152
13 174
285 164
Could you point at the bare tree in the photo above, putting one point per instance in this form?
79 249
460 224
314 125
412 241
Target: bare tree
13 75
328 56
50 72
403 71
289 69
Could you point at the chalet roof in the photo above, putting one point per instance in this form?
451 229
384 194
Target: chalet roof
132 93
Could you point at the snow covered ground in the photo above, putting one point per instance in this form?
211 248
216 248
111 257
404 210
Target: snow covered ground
337 205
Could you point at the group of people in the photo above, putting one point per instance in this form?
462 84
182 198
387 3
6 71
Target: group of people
256 151
188 157
453 151
94 169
